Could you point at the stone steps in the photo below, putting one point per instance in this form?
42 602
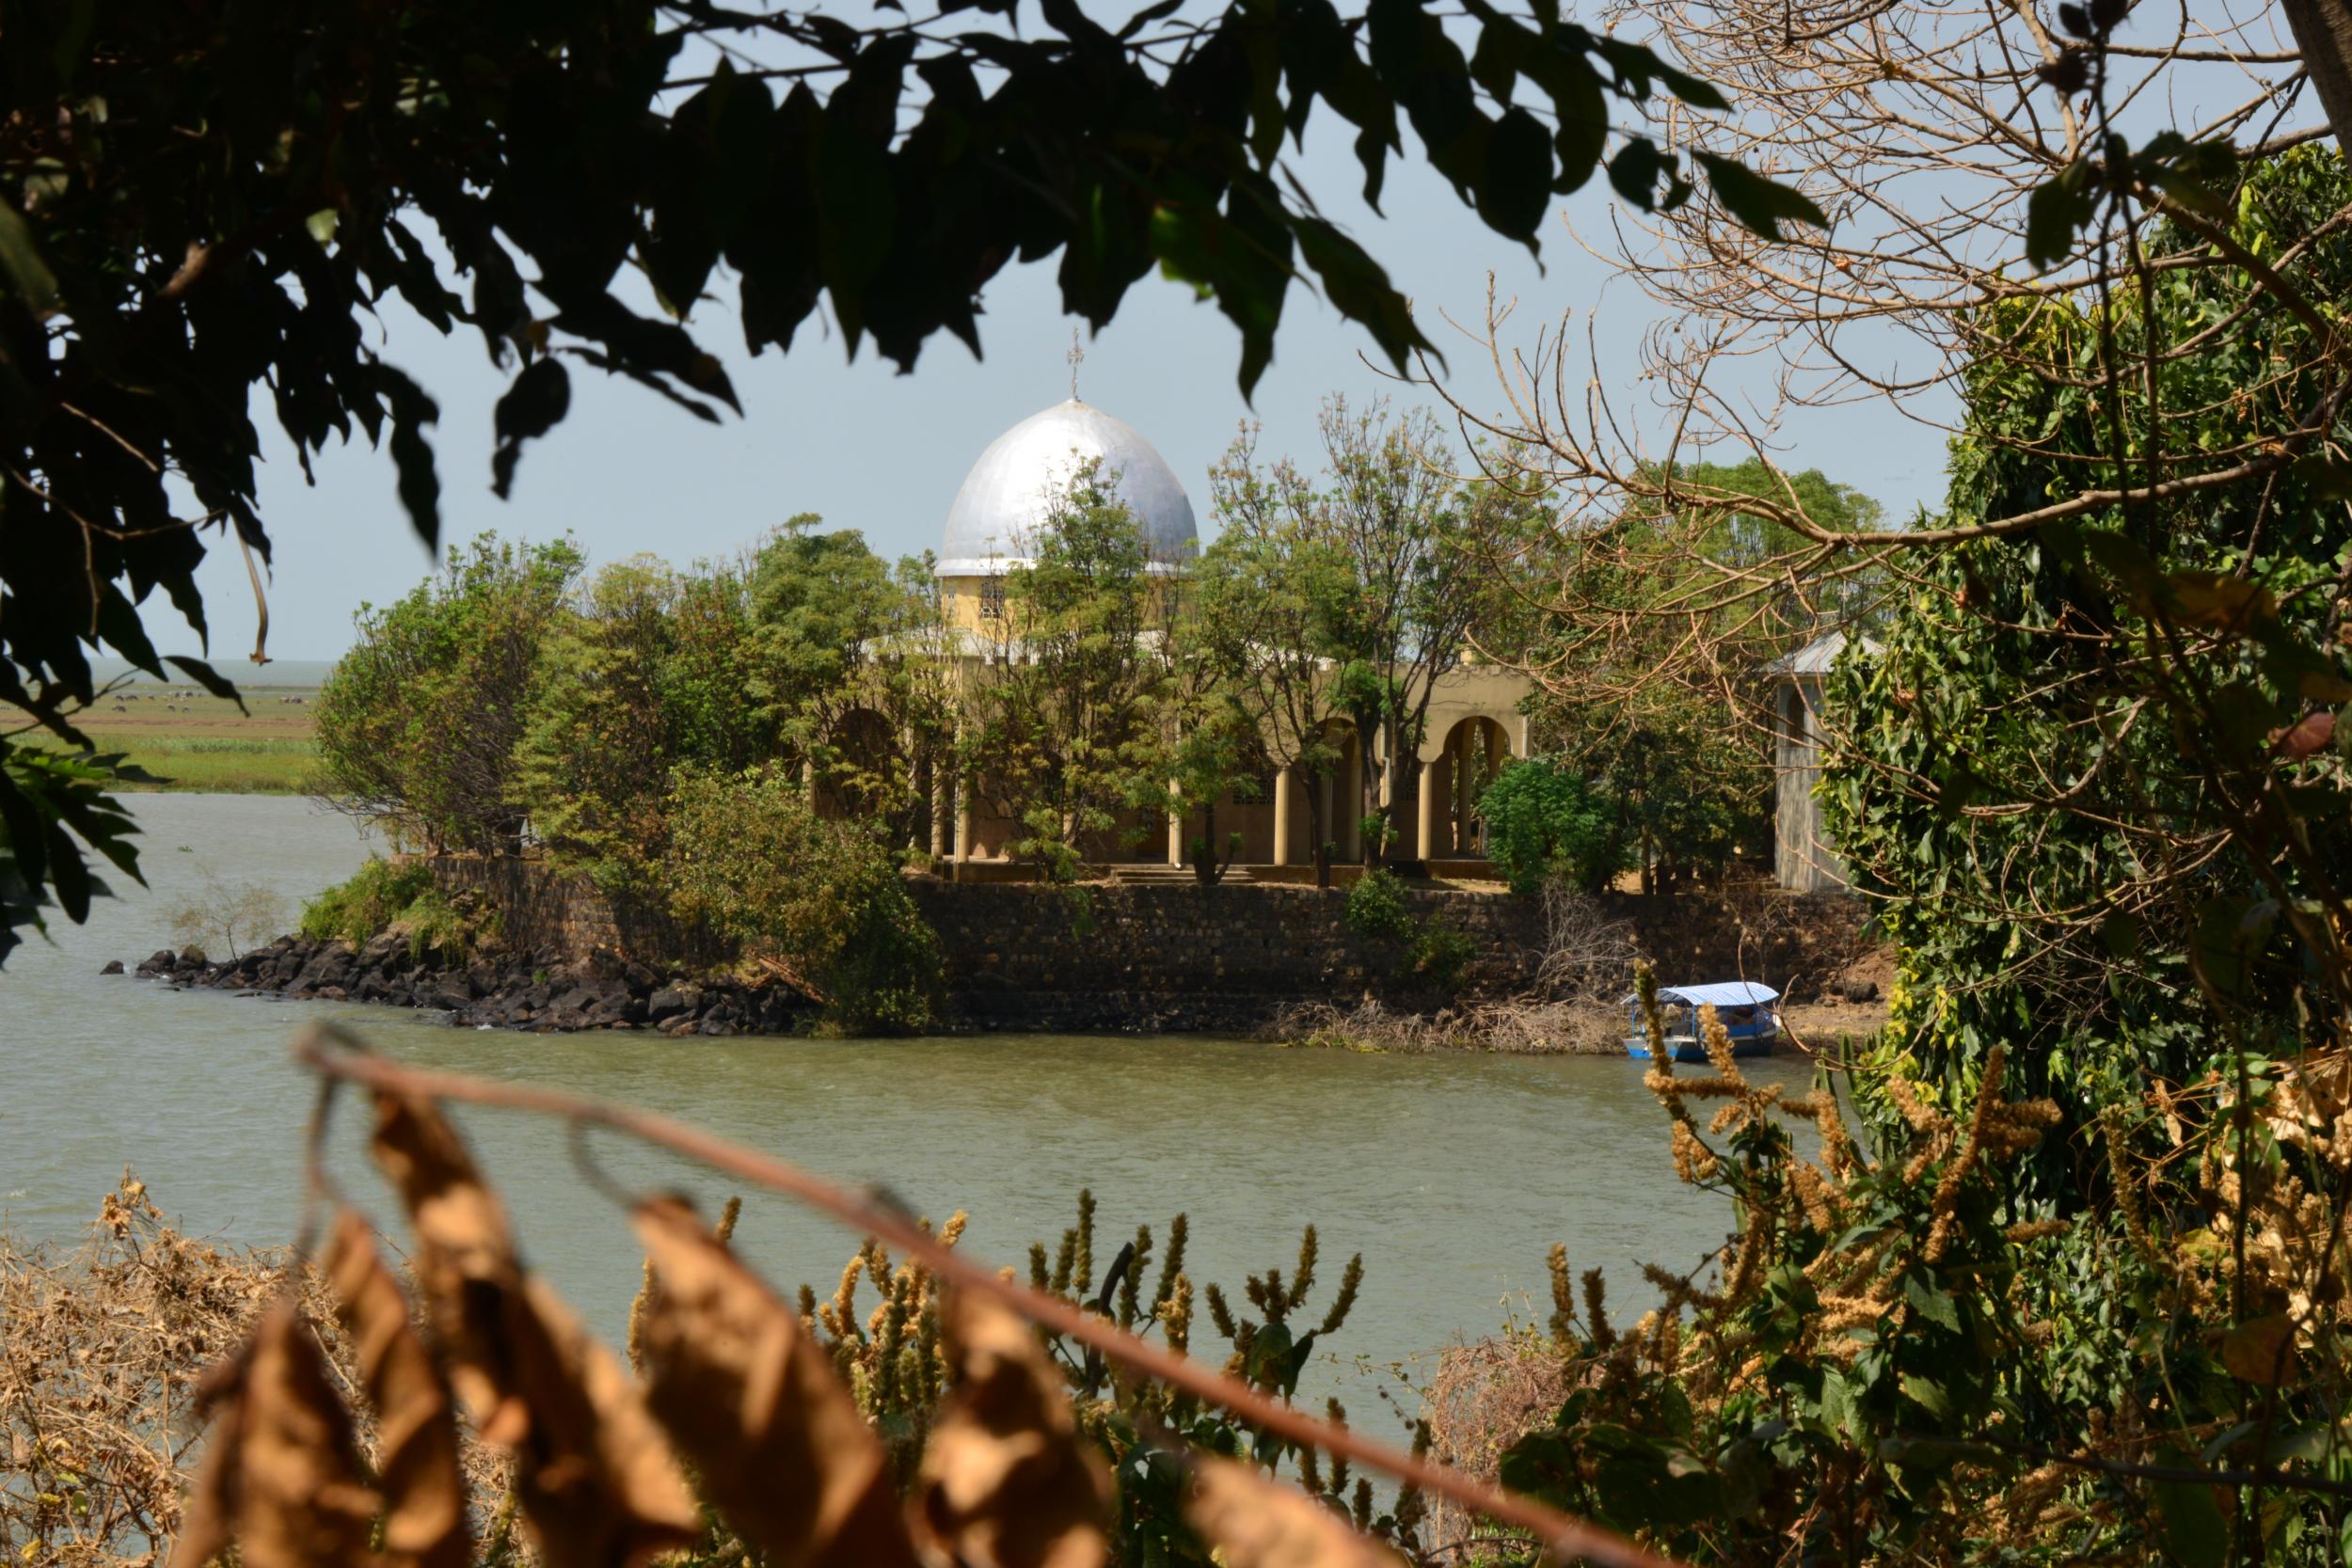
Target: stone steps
1170 876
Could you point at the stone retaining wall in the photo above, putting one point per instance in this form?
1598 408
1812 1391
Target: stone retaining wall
1175 958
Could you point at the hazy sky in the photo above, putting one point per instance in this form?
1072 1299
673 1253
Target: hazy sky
881 452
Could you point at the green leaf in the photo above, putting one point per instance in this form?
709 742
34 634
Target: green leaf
27 274
536 401
1928 1395
2056 210
1634 172
1515 191
1760 203
2195 1533
1935 1306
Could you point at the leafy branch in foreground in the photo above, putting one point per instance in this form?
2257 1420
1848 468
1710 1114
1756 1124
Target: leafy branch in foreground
217 209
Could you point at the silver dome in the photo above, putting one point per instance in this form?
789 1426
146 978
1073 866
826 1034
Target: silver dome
1003 498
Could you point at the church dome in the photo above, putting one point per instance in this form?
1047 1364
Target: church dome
1003 498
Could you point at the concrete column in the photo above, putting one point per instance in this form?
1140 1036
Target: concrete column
1282 817
1175 829
963 820
942 808
1431 772
1347 819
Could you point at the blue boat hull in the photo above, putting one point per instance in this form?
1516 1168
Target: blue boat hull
1691 1051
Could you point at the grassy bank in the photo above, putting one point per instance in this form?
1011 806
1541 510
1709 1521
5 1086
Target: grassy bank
204 744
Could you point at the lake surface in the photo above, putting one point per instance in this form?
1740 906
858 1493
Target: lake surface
1452 1175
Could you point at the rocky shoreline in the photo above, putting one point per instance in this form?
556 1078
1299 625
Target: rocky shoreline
545 992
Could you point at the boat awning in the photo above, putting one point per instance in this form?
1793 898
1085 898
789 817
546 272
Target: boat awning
1722 993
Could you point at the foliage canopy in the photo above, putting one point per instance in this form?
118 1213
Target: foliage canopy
211 205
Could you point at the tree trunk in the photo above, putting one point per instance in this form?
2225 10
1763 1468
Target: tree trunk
2323 31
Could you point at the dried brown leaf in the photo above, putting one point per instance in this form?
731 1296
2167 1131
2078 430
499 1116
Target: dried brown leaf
417 1458
465 1255
1254 1522
753 1402
1007 1482
281 1474
595 1476
2261 1350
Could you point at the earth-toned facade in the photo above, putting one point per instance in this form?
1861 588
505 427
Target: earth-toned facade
1474 719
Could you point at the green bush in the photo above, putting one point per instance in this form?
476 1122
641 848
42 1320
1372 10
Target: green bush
1376 906
376 895
823 900
1545 821
383 895
1440 950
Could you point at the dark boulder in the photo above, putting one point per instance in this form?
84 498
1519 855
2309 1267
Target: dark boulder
669 1003
162 957
385 948
1860 989
114 966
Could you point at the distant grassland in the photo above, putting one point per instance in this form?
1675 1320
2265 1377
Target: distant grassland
201 744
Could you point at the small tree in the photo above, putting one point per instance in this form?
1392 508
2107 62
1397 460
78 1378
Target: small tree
847 656
1546 821
416 724
1258 603
225 917
823 900
1064 717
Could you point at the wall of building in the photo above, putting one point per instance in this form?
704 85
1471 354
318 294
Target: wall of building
1803 856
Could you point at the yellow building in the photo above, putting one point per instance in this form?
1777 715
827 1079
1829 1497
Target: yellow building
1474 718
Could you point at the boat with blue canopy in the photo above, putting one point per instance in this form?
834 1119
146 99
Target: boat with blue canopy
1745 1008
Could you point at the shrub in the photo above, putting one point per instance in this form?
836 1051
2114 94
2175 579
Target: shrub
384 895
822 901
1440 950
416 724
1376 906
227 918
373 896
1543 820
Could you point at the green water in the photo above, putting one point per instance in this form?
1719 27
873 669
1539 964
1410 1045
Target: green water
1453 1175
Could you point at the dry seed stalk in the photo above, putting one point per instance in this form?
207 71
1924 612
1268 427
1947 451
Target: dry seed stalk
1560 1534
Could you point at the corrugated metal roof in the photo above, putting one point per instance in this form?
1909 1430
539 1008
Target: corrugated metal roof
1816 657
1722 993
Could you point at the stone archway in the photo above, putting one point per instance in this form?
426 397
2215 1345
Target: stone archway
1453 775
